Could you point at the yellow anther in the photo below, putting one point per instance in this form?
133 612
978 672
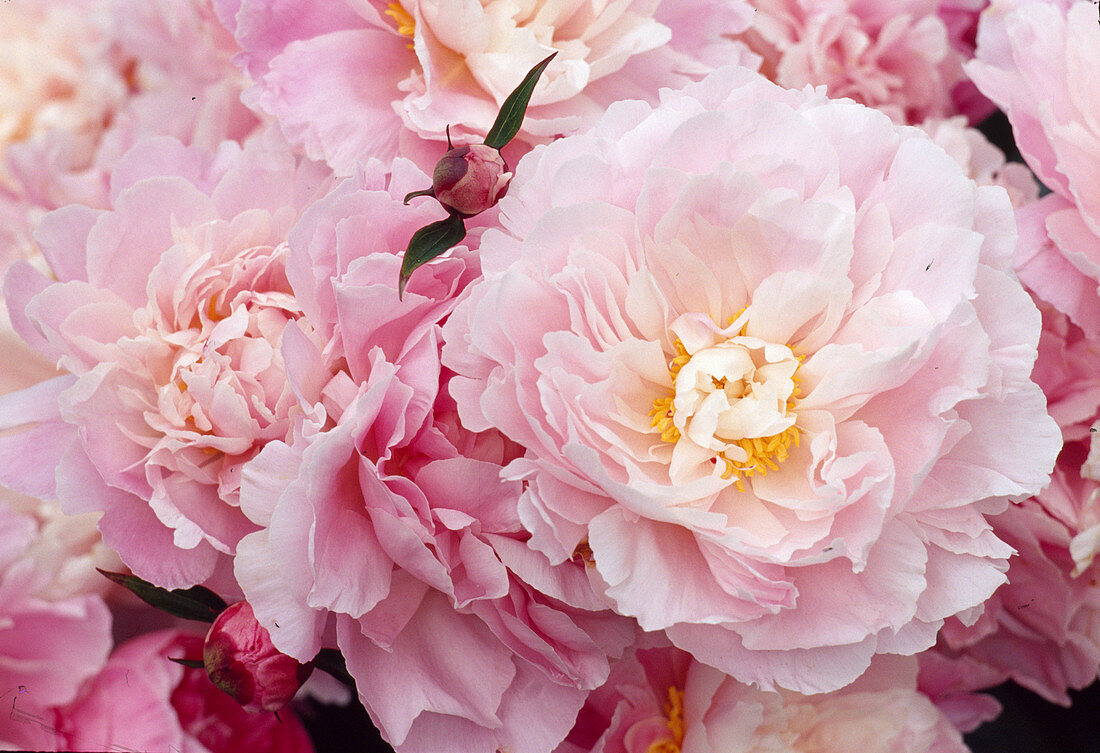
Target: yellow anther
406 25
674 710
763 453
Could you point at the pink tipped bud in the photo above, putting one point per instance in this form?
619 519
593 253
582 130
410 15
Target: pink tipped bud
241 660
470 179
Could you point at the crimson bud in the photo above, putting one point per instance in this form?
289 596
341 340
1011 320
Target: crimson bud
470 179
241 660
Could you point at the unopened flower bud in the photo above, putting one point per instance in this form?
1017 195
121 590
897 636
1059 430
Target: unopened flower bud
241 660
470 179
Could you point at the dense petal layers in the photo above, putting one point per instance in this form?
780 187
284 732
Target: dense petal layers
347 79
903 57
168 314
1041 627
385 520
1038 61
659 699
51 639
739 215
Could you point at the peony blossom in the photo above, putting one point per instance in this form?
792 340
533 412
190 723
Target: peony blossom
58 83
143 701
167 314
171 59
982 161
658 700
51 638
776 382
130 69
1037 61
56 73
349 81
384 522
892 55
1042 627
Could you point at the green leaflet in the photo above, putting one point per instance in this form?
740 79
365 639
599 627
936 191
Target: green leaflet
429 242
514 108
195 603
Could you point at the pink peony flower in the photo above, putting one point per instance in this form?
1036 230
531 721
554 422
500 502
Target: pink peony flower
56 72
349 81
51 638
385 521
961 19
168 314
1037 61
239 658
982 161
775 382
143 701
951 684
894 56
661 701
170 62
1042 627
470 179
59 82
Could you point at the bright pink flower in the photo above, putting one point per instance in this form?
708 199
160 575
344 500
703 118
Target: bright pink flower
661 701
143 701
386 519
353 80
893 55
1038 61
777 378
51 638
168 314
239 658
470 179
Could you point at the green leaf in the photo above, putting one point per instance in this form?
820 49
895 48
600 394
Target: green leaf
195 603
514 108
429 242
332 661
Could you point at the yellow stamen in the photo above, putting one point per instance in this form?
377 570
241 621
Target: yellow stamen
662 410
764 453
583 553
674 710
406 25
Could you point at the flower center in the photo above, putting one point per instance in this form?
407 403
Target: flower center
734 400
674 710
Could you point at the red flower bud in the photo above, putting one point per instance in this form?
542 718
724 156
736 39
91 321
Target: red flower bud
470 179
241 660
